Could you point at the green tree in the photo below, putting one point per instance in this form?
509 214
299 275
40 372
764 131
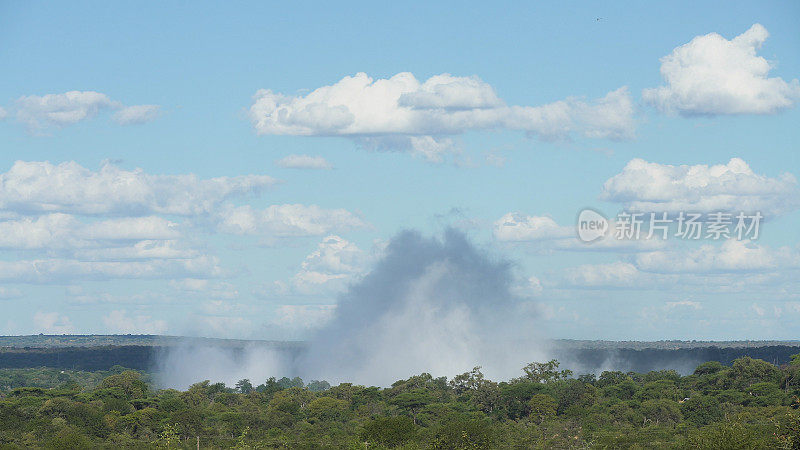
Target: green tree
129 381
726 436
244 386
747 371
545 372
661 411
412 401
702 410
169 437
463 434
542 407
389 431
327 409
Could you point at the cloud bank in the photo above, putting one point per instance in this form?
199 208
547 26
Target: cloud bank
648 186
67 222
402 113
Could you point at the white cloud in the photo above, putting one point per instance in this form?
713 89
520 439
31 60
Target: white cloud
64 231
48 231
75 223
132 228
712 75
287 220
334 254
38 187
61 109
544 233
137 114
68 108
329 267
142 250
734 267
616 274
646 186
3 113
77 295
732 256
58 270
326 270
119 322
518 227
52 323
402 113
304 162
528 287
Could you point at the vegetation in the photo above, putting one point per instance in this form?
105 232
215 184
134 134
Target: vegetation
751 404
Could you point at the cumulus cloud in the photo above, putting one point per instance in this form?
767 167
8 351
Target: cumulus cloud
402 113
59 110
325 271
114 223
732 266
142 250
119 322
52 323
646 186
329 267
712 75
287 220
528 287
132 228
304 162
516 227
731 256
544 233
137 114
37 187
615 274
65 231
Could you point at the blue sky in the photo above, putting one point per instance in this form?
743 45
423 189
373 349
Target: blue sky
517 127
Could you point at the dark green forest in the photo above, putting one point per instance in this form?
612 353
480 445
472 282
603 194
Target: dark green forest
747 405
